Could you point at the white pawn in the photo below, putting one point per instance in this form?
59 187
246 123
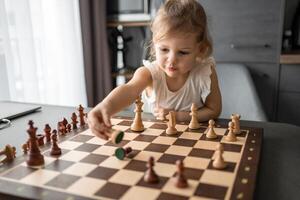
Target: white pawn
171 130
235 118
137 124
210 133
194 124
231 135
219 162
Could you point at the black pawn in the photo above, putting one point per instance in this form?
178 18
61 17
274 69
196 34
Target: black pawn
150 175
55 150
181 181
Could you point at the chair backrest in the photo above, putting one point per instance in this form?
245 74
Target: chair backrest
239 94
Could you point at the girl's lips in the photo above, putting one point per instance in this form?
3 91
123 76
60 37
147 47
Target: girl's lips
172 69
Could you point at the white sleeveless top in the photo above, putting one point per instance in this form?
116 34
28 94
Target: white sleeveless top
195 89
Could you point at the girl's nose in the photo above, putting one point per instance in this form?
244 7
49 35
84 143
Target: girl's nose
171 58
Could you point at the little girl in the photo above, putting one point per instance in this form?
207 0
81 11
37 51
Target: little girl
181 73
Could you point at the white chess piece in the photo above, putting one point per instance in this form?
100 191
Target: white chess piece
194 124
210 133
236 120
171 130
219 162
137 124
231 135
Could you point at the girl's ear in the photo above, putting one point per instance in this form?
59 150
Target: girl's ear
201 50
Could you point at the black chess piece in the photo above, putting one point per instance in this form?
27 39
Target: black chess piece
150 175
35 158
55 150
181 181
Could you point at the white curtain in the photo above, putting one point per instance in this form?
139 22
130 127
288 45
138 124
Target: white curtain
42 47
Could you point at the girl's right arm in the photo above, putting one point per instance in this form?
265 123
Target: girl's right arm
118 99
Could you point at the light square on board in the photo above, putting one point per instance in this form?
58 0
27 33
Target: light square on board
105 150
70 145
202 144
87 132
115 121
120 127
39 177
178 150
138 145
164 169
181 128
145 155
86 186
170 187
190 135
136 192
220 131
147 124
230 156
126 177
217 177
80 169
97 140
113 162
74 156
155 132
130 136
164 140
195 162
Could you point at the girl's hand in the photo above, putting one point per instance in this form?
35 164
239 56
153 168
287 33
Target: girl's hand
161 113
99 122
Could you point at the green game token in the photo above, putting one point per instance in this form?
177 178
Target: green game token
120 153
119 137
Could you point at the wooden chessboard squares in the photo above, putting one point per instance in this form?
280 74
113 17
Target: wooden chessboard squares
69 145
79 169
195 162
39 177
86 186
125 123
94 158
62 181
86 147
191 135
113 162
172 189
178 150
162 181
154 132
203 153
211 191
164 140
74 156
230 166
102 173
81 138
176 135
135 192
185 142
169 158
145 138
167 196
59 165
162 126
105 150
112 190
126 177
19 172
136 165
157 147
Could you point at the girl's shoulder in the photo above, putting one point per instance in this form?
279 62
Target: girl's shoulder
152 67
204 67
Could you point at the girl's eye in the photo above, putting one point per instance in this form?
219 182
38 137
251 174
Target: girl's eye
183 52
163 49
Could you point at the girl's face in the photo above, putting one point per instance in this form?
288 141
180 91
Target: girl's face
176 54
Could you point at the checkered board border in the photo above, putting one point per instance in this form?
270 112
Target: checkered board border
14 179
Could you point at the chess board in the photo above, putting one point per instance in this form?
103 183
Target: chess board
88 169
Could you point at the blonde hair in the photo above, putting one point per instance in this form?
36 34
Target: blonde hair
186 16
